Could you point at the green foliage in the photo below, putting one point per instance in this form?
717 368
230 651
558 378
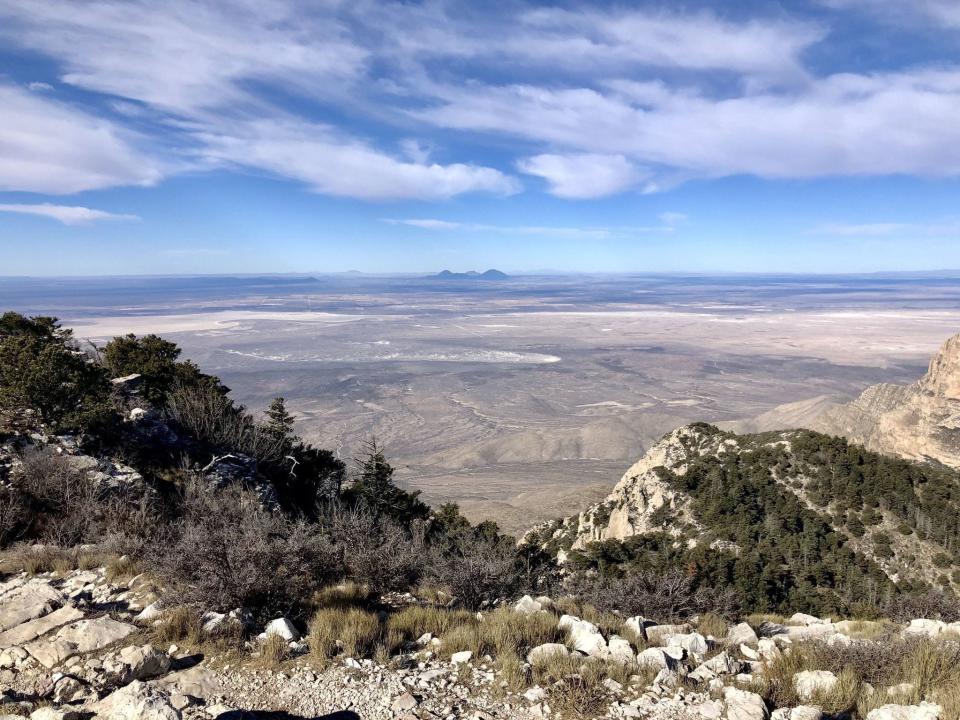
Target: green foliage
374 487
149 356
42 370
279 421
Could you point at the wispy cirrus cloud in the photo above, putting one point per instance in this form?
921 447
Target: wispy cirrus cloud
595 101
890 229
67 214
669 221
54 148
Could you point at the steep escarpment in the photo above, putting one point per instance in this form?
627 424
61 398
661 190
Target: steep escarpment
781 516
919 421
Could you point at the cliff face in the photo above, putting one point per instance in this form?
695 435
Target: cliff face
919 421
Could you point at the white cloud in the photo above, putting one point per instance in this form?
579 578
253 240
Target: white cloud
39 86
846 124
942 12
585 175
696 41
328 163
67 214
187 56
53 148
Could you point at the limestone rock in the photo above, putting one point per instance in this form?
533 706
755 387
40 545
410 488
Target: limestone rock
284 628
743 705
742 634
137 701
919 421
923 711
541 653
811 683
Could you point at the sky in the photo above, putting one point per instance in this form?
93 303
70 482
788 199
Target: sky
202 136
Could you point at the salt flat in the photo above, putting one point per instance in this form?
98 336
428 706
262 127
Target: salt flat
525 399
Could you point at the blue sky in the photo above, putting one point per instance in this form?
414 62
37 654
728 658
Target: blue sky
195 136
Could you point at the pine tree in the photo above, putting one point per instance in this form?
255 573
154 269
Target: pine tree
279 420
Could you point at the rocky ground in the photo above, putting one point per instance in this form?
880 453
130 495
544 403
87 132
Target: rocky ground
78 645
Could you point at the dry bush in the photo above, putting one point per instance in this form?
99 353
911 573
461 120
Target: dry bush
478 571
211 417
378 553
228 552
665 596
14 515
933 605
67 506
273 651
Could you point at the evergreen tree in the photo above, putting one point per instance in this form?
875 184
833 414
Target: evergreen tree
279 421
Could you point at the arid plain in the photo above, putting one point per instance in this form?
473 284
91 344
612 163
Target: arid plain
524 399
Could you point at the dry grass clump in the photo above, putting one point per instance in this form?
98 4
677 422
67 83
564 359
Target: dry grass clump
574 686
843 697
502 632
512 672
273 651
37 559
179 625
930 666
714 625
122 568
415 620
505 631
355 632
343 596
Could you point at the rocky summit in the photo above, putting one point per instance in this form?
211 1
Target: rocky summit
706 494
919 421
88 644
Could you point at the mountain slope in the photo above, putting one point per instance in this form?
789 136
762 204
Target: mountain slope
919 421
789 518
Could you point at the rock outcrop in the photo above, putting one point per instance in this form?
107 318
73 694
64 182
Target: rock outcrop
919 421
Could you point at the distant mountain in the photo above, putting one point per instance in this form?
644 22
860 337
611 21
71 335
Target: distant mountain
791 517
470 275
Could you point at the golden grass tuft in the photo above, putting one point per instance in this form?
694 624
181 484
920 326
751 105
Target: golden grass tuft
122 568
355 632
273 651
179 625
342 596
713 625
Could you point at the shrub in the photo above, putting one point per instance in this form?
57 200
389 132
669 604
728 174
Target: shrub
666 596
377 552
42 370
477 571
932 604
228 551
